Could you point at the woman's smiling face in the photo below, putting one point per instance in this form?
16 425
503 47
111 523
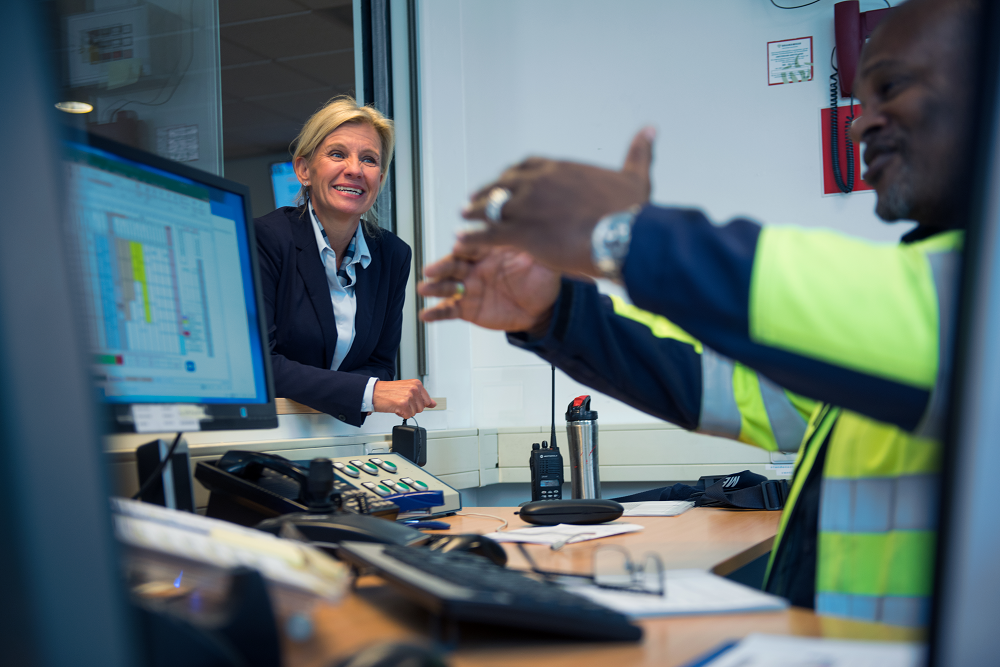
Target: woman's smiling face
344 173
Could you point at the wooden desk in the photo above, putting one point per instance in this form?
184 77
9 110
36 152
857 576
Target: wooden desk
719 540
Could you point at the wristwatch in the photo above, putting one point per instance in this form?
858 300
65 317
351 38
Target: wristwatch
610 240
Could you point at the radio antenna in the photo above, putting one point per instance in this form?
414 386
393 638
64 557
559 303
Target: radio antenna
552 436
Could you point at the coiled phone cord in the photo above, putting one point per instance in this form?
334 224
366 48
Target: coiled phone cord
834 132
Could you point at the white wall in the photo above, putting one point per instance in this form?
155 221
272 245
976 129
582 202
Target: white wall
501 80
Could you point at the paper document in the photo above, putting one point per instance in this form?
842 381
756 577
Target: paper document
227 545
780 651
688 592
657 507
564 532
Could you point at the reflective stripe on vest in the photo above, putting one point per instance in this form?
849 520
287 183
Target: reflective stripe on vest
877 520
945 268
787 424
736 402
719 413
895 610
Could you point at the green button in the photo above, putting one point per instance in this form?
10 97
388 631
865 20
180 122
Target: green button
404 487
420 485
388 465
351 469
384 488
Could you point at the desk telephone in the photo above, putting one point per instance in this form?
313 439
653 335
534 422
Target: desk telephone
248 487
282 497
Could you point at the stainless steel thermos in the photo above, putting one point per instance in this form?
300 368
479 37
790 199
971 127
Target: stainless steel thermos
581 432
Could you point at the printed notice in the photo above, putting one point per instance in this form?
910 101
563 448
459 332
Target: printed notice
167 418
790 61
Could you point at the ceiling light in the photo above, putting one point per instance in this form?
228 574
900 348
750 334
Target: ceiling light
74 107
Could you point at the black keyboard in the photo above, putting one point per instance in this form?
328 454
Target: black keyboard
469 588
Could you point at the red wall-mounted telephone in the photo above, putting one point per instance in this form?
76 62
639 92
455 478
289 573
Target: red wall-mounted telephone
852 29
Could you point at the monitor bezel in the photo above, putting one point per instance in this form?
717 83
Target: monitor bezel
222 416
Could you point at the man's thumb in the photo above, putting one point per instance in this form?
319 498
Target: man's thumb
640 155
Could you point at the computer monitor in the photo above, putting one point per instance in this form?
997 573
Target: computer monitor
967 584
167 266
284 183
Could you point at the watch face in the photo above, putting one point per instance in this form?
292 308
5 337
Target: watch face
619 232
610 243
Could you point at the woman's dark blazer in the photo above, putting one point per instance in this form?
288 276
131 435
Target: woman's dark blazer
302 330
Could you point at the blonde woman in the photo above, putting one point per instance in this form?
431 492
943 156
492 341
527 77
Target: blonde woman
333 281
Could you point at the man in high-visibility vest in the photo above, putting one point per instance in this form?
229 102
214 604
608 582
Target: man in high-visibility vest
863 330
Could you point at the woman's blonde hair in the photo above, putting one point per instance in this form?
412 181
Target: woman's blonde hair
336 112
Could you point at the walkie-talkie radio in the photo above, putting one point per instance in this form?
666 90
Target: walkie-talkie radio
546 465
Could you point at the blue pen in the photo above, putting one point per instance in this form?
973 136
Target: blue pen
427 525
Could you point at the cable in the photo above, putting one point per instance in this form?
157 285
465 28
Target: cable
813 3
796 6
835 131
159 468
488 516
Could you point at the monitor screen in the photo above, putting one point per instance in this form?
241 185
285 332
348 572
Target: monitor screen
167 267
284 183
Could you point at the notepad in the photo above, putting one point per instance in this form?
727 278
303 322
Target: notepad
688 592
781 651
657 508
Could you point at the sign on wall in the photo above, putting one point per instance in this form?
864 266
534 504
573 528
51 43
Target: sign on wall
790 61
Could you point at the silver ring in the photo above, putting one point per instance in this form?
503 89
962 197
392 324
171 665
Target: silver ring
494 203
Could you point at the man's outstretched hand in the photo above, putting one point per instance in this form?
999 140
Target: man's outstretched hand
504 289
555 205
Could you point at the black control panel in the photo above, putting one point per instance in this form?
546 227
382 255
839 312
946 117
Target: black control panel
546 466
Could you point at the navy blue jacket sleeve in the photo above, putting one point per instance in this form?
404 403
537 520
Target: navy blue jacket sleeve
698 275
620 357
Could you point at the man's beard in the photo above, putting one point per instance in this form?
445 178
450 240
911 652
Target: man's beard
896 203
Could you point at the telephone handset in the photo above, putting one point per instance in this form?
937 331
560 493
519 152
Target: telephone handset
248 487
852 29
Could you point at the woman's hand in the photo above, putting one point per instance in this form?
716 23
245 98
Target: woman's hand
405 398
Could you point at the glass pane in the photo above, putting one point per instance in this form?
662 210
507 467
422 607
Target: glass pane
281 61
144 73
